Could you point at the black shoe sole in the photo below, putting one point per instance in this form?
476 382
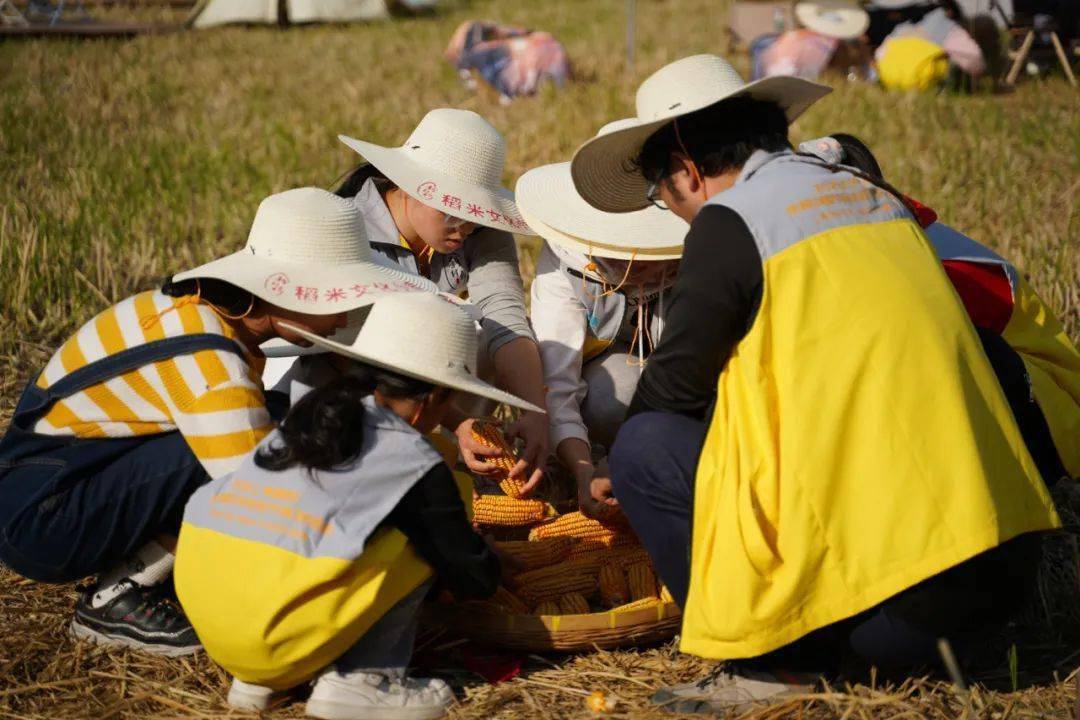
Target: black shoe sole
98 637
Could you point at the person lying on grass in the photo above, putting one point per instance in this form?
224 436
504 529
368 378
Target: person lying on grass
435 207
311 559
155 397
598 307
819 425
1036 363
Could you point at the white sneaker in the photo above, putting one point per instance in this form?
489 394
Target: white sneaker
369 696
248 696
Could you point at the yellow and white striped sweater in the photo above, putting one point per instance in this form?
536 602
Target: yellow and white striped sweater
213 398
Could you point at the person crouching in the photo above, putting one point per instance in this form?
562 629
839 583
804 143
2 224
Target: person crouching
313 557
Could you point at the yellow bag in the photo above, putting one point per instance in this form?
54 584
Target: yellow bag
912 63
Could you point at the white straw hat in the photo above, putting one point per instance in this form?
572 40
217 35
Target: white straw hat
280 347
453 162
307 251
423 336
603 168
553 208
840 19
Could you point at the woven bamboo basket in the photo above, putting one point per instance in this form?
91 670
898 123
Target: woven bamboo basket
564 633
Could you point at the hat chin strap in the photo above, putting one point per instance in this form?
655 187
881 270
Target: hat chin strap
591 266
219 311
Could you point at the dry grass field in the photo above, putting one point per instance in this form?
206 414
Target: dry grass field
123 161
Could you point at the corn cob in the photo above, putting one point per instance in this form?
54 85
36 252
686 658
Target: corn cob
638 604
502 510
618 557
533 555
613 588
573 604
665 594
613 541
509 601
547 607
641 580
573 525
611 515
489 434
551 585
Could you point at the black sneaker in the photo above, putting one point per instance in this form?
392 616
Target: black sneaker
144 618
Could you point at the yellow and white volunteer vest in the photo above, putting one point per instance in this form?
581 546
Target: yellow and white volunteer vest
860 442
281 572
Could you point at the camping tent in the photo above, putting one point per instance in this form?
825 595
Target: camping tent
211 13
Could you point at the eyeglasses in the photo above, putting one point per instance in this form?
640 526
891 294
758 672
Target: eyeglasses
653 194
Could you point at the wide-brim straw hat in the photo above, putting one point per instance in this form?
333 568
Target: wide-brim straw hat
551 205
280 347
453 162
307 251
840 19
603 168
422 336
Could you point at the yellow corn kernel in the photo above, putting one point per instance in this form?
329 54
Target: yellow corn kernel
533 555
548 607
641 580
573 525
509 601
489 434
505 511
574 604
618 557
552 582
613 588
638 604
613 541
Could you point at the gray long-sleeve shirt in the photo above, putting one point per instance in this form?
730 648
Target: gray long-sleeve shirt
486 266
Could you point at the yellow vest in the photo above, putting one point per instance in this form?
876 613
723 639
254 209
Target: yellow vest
1053 365
860 442
911 63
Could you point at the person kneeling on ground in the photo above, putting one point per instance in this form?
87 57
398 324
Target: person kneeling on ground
313 557
598 307
1036 363
156 396
820 406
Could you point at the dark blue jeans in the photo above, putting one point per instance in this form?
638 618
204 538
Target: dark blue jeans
653 464
72 507
66 515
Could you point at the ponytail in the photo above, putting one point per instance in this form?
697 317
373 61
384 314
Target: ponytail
324 430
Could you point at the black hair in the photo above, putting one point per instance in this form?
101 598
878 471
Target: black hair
718 138
227 297
857 155
356 178
324 429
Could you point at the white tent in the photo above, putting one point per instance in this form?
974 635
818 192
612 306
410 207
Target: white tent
211 13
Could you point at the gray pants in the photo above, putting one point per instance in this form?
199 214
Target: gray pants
612 379
386 648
